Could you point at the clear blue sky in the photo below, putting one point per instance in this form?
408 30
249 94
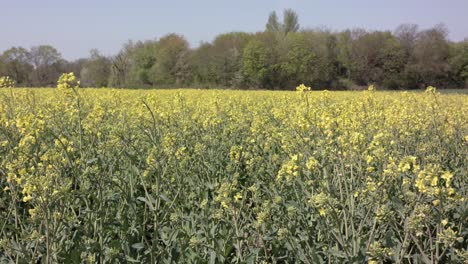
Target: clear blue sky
75 27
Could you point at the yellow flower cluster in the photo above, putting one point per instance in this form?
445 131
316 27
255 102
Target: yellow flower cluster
302 88
6 82
68 81
428 181
289 170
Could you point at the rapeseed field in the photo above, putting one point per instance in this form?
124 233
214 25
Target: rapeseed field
219 176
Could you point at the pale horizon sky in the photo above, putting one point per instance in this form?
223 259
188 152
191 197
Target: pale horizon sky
76 27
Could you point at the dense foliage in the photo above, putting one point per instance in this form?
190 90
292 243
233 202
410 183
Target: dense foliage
190 176
278 58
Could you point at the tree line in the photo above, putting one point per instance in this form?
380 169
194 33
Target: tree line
280 57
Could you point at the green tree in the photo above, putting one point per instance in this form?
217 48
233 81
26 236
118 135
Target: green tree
344 54
374 55
394 60
204 71
273 25
2 66
96 70
48 65
16 64
121 65
407 35
226 58
171 52
290 21
75 66
332 62
459 63
299 63
431 55
309 57
257 63
143 59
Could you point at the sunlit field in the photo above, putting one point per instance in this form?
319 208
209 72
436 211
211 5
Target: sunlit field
219 176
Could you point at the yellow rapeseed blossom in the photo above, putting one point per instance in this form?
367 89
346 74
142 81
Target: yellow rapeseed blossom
6 82
68 81
302 88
